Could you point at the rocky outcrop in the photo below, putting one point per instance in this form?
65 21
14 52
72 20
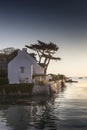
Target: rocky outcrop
55 87
49 89
41 90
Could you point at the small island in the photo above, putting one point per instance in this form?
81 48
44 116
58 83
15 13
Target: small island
23 74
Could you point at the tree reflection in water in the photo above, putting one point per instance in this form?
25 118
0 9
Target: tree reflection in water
37 115
67 111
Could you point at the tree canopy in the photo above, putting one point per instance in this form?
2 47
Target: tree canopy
45 52
7 54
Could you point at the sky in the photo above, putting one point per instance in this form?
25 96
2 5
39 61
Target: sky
64 22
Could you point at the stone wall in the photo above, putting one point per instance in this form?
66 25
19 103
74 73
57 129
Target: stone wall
55 87
41 90
49 89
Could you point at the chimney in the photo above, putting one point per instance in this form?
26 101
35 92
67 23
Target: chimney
24 49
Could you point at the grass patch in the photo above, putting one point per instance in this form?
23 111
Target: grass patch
42 82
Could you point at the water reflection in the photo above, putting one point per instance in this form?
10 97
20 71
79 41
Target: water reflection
38 116
67 111
18 117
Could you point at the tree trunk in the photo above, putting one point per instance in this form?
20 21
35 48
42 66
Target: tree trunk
45 70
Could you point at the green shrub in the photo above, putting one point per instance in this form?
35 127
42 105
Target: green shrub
3 73
41 82
15 88
3 81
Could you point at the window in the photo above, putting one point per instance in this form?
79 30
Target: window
22 69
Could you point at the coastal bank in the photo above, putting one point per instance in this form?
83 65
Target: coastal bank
31 89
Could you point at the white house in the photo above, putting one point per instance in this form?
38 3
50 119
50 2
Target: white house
22 67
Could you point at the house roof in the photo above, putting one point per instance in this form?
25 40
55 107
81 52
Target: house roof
27 56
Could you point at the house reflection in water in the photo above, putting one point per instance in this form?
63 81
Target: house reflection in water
36 116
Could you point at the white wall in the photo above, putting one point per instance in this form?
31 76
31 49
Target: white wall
25 60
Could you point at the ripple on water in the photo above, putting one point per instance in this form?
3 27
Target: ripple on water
68 111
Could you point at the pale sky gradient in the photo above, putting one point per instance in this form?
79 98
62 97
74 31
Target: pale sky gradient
63 22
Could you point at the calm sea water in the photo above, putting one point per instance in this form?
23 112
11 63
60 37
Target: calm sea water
66 111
